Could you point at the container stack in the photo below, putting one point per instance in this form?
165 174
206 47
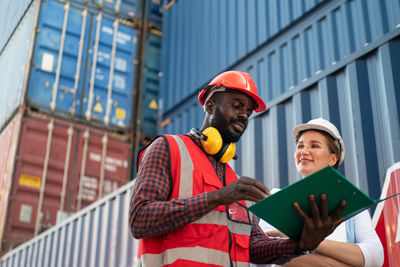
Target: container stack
79 95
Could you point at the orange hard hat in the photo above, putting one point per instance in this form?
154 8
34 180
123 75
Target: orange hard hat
235 80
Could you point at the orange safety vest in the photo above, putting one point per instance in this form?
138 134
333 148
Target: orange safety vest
214 239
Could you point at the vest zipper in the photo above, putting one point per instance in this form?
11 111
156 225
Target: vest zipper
230 247
227 208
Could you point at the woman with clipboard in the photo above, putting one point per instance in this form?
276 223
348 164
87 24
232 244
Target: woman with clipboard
354 242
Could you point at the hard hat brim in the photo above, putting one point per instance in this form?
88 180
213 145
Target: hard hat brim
260 104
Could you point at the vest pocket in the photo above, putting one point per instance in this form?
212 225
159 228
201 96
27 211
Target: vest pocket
241 248
205 181
191 232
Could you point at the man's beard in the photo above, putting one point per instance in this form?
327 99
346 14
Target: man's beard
222 125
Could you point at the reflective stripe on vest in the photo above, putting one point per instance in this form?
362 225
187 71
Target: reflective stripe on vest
219 218
186 256
206 240
186 170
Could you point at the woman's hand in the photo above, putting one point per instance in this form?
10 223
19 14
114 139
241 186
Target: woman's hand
314 260
276 233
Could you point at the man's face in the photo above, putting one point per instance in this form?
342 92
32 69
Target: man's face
231 114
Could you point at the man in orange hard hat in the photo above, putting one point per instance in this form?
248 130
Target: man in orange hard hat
188 206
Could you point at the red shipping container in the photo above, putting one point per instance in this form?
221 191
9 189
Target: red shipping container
60 168
386 219
8 145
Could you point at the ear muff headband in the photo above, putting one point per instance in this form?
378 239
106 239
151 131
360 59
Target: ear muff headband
226 153
212 143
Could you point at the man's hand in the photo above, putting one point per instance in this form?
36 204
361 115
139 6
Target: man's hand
244 188
320 224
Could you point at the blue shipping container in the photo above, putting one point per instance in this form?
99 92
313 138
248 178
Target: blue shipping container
154 12
298 38
121 8
194 52
78 51
359 94
128 9
151 80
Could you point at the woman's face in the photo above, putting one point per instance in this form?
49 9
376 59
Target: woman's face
312 153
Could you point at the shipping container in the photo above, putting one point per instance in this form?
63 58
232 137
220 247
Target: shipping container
154 12
14 63
11 13
359 94
96 236
128 9
150 89
73 61
83 65
298 38
8 144
133 10
60 167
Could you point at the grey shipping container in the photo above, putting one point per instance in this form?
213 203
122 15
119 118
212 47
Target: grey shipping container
11 13
301 37
96 236
14 62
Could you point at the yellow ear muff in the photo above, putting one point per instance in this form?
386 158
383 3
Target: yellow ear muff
213 143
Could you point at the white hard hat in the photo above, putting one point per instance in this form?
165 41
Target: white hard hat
326 126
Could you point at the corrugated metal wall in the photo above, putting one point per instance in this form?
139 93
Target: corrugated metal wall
361 97
95 237
201 38
341 63
194 52
10 15
14 65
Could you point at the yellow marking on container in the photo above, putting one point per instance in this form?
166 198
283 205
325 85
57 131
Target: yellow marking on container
98 108
153 104
30 181
120 113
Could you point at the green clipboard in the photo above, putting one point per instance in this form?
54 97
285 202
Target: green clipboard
277 209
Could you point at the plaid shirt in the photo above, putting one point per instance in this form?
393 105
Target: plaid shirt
151 214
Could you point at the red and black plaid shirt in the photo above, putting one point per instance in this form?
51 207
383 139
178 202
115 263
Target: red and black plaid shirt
152 214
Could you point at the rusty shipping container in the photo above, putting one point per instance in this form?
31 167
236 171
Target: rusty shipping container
60 168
